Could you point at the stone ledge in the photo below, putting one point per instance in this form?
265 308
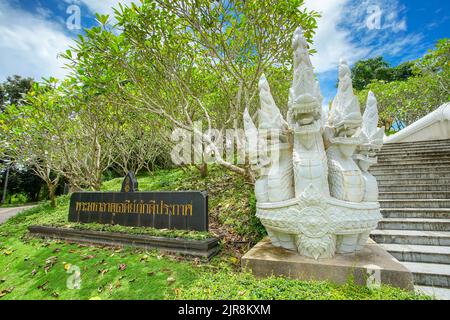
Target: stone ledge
192 248
264 260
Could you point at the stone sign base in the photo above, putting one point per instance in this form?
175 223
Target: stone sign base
370 266
204 249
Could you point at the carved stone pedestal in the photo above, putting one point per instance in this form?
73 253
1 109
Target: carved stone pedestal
370 266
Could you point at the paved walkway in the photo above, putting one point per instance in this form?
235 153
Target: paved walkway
6 213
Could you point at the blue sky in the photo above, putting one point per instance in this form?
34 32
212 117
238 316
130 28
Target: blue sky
33 32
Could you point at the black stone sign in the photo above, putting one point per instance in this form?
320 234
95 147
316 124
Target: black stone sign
130 183
185 210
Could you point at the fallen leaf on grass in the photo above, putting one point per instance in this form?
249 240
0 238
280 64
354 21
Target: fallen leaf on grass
102 272
55 294
6 291
49 263
234 260
88 257
33 272
56 250
43 286
122 266
177 291
170 280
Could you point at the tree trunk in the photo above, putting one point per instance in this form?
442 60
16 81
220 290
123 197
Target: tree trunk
203 169
51 194
248 176
5 188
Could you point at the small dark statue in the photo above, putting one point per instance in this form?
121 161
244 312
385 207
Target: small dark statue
130 183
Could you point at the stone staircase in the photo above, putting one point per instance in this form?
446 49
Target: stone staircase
414 184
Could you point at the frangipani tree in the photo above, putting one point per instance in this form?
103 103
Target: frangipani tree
30 137
188 61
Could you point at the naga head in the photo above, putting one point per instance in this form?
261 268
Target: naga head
305 100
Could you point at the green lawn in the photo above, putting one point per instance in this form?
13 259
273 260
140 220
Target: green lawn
38 269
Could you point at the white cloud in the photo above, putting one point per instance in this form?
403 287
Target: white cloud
343 32
331 41
29 44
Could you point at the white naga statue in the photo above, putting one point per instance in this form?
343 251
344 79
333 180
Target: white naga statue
313 191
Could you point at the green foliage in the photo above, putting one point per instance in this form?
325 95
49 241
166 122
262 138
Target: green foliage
403 102
18 198
366 71
231 286
23 181
13 90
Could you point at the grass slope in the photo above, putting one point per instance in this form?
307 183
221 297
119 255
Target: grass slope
41 269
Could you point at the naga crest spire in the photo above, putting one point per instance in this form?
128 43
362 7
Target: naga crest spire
305 99
345 109
269 115
370 131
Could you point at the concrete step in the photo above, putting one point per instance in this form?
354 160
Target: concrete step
419 148
400 170
410 166
422 224
415 149
412 160
418 253
427 238
426 213
414 187
431 174
430 274
418 143
424 144
435 292
415 203
414 195
414 154
414 181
